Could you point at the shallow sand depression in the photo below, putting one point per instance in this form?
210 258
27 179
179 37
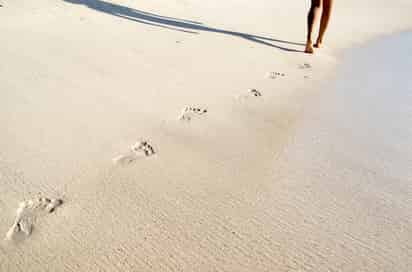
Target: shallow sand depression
180 136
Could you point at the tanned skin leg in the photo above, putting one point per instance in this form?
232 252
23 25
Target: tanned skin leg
312 18
324 21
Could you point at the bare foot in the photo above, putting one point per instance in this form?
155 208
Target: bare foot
309 48
318 44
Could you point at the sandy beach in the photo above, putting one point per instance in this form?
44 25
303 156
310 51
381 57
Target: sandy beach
166 136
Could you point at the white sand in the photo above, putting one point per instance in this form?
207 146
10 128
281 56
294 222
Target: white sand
81 83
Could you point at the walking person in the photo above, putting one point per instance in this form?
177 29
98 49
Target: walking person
316 7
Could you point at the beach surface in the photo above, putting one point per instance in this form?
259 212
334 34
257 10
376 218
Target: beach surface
196 136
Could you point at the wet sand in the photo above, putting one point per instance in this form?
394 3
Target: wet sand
349 165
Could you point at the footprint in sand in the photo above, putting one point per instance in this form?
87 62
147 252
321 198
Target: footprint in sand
274 75
27 214
140 149
255 92
250 93
190 112
305 66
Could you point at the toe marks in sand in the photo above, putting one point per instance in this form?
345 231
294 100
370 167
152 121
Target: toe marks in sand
190 112
251 93
255 93
143 147
274 75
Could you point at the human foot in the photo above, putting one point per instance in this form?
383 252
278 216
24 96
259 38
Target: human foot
318 43
309 48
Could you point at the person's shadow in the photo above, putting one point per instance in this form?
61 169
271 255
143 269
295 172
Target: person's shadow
174 23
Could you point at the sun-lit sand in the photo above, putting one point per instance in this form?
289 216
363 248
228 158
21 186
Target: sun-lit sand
162 127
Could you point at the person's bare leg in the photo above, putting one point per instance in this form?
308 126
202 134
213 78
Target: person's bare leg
324 21
312 18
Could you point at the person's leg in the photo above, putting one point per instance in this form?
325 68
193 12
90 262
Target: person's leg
324 21
312 18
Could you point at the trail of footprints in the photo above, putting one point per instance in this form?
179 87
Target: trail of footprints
28 211
143 149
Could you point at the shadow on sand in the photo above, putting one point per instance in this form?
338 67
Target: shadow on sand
175 23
